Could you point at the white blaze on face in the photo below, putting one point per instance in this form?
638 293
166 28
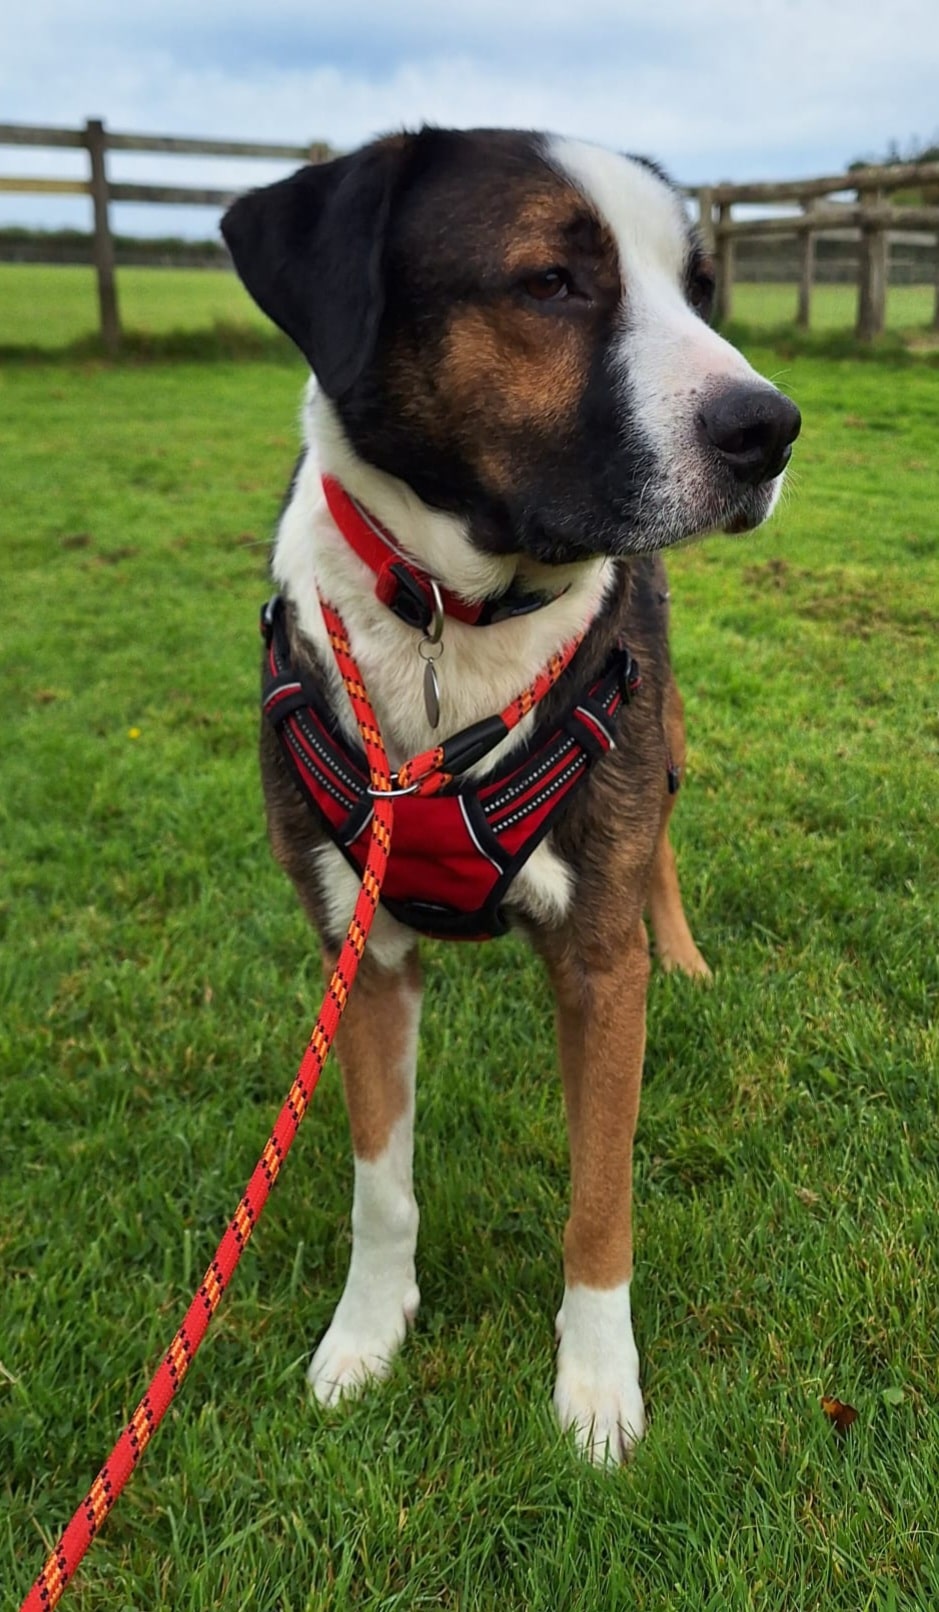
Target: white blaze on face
671 360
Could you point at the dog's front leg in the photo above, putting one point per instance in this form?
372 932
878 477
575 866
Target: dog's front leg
601 1039
674 942
377 1051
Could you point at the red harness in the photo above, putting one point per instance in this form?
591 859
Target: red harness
455 851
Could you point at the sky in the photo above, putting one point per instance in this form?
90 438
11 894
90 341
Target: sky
725 89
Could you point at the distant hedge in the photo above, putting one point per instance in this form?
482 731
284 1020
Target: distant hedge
21 245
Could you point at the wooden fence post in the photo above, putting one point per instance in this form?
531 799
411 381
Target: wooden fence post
725 265
96 142
872 275
806 274
706 217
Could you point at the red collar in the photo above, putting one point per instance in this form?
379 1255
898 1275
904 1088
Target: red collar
412 594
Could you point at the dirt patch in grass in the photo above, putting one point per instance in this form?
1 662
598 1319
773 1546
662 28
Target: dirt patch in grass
861 606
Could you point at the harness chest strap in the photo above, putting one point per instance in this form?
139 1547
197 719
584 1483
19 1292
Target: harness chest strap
459 843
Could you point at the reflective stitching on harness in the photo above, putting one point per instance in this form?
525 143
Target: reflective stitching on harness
324 783
498 807
529 776
329 759
530 806
512 791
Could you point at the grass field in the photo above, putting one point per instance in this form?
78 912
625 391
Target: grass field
157 983
50 308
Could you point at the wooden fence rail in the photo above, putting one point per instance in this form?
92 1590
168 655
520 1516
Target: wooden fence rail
870 216
97 142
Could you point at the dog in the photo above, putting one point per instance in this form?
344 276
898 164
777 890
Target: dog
517 391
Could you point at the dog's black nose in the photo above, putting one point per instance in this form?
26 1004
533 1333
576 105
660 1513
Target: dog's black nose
753 429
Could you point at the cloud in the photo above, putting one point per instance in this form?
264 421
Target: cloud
734 88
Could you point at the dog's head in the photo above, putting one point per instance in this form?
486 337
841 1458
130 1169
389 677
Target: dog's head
516 326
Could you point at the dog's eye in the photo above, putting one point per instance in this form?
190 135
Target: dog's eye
701 291
553 285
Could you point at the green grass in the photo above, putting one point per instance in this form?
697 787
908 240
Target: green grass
201 311
157 983
834 307
52 306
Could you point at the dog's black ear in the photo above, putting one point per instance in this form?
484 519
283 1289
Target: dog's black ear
310 251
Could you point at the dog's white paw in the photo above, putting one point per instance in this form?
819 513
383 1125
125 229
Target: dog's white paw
364 1336
686 959
597 1391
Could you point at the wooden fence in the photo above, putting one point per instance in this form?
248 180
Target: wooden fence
97 142
870 217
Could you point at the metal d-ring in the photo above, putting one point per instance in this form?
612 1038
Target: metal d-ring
392 794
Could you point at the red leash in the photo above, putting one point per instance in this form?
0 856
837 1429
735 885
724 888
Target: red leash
424 774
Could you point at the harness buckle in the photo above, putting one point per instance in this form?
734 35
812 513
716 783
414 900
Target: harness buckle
630 677
269 616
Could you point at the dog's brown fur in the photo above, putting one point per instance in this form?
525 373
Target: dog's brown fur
538 435
598 964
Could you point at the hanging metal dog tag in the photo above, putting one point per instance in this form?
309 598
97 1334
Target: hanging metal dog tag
430 649
431 693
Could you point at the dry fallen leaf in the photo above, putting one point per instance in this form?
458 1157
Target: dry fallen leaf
839 1414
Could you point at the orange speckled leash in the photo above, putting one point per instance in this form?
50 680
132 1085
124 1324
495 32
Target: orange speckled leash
426 774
